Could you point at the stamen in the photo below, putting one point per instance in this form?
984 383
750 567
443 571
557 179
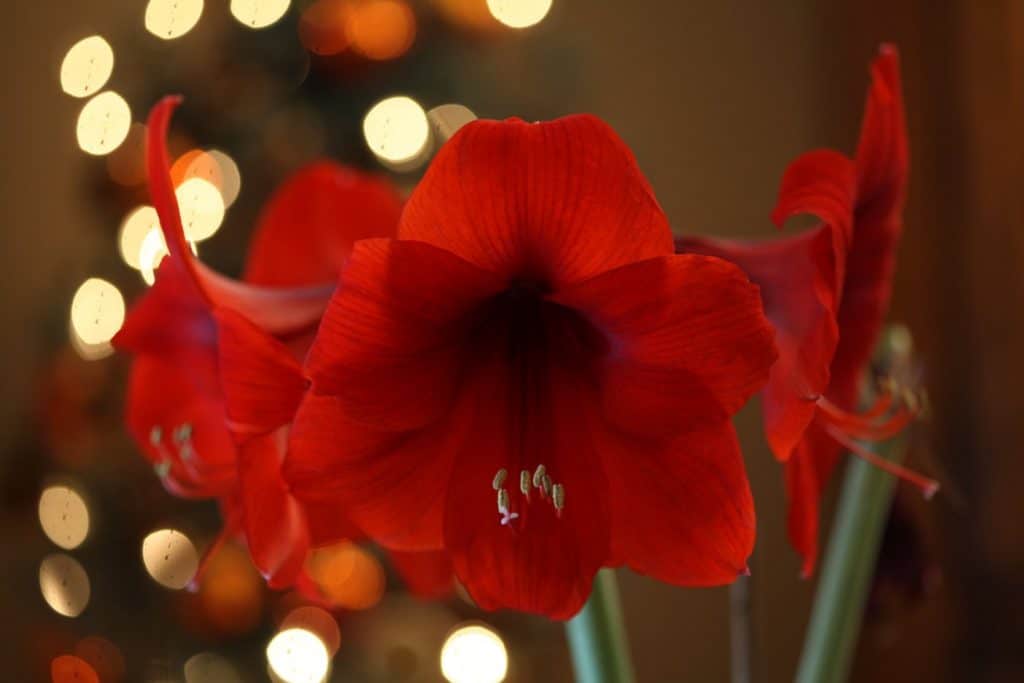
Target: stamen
499 479
928 487
538 476
503 501
162 469
558 497
183 433
156 435
524 483
547 485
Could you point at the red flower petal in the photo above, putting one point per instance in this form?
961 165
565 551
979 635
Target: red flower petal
557 202
274 523
822 183
262 383
882 152
798 286
427 575
390 343
682 509
307 229
807 474
689 341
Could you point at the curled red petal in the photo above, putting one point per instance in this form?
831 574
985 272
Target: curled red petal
307 229
557 201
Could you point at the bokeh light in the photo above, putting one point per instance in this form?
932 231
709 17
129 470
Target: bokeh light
170 19
151 252
86 67
347 575
134 230
103 123
323 25
317 621
381 29
97 311
230 178
202 208
64 584
231 597
208 667
470 14
447 119
215 167
170 558
474 654
103 656
63 516
296 655
259 13
72 669
519 13
397 131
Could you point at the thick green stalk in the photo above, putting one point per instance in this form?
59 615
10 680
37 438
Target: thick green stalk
848 569
597 636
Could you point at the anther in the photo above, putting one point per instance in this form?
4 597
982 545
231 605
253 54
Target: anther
524 483
538 476
558 497
162 469
156 435
183 433
547 485
503 501
499 479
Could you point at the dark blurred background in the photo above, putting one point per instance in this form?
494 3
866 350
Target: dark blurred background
714 97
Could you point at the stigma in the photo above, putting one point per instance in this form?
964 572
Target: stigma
539 479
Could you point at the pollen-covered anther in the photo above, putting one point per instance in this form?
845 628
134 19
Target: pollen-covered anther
162 469
547 485
538 476
156 436
499 479
183 433
558 498
524 483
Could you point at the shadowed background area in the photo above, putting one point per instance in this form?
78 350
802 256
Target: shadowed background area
714 98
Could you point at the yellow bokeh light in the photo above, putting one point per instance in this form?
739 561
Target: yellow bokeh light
151 252
208 667
63 516
134 230
64 584
170 19
519 13
259 13
447 119
397 131
381 29
296 655
97 311
202 208
474 654
170 558
103 123
86 67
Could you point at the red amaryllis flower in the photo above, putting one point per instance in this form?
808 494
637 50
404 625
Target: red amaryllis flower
531 379
826 293
179 404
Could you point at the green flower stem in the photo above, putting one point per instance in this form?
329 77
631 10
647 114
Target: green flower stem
848 569
597 636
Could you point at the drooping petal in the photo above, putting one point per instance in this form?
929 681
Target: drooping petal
307 229
798 288
275 526
807 473
821 183
556 202
262 383
689 341
883 157
427 575
682 507
392 338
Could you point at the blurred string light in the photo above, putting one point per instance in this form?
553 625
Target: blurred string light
296 655
208 667
347 575
447 119
64 584
170 19
63 516
471 14
519 13
152 251
317 621
202 208
397 132
381 29
72 669
103 123
135 227
322 27
86 67
474 654
259 13
103 656
170 558
97 311
213 166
